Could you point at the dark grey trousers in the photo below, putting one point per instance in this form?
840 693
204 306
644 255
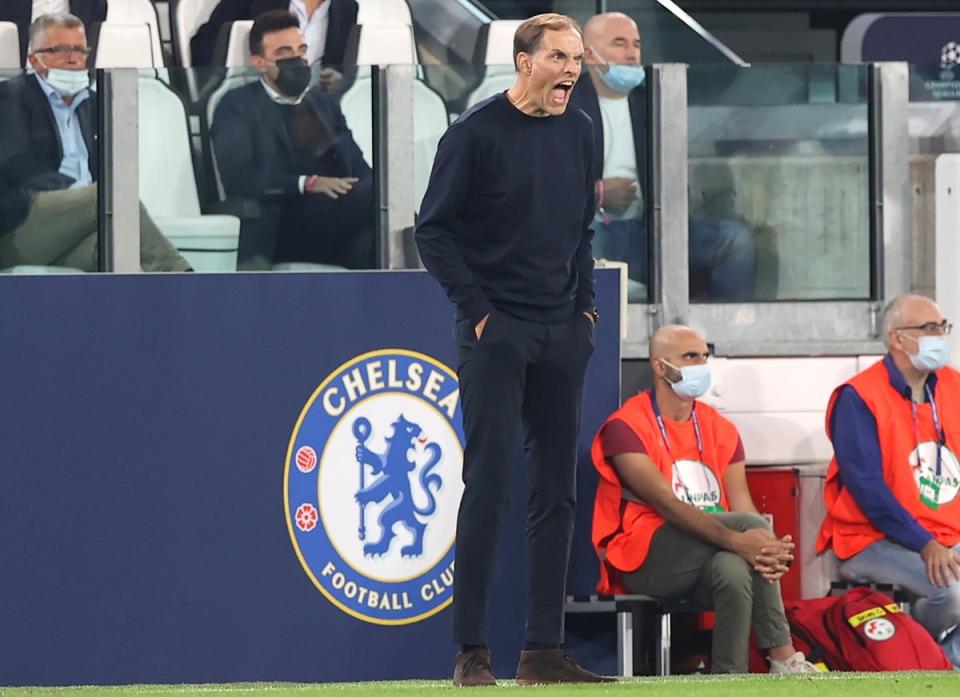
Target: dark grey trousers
681 566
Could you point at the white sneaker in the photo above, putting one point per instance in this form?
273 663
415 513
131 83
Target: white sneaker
797 663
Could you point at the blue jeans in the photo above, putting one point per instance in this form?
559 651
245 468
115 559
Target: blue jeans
721 250
938 609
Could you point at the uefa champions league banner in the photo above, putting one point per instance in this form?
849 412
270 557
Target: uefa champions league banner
929 41
246 478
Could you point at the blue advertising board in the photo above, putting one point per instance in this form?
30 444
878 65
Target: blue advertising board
928 41
245 478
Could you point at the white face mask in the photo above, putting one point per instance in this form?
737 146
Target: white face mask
67 83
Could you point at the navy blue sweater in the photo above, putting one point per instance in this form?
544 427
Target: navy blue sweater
505 220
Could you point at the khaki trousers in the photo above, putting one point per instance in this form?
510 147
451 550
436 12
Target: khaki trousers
681 566
61 230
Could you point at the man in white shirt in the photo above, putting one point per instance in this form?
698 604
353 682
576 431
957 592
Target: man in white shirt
722 252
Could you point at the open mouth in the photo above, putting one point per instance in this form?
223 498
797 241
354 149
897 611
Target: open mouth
561 92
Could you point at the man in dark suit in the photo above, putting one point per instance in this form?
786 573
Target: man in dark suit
326 25
722 252
23 12
48 159
287 145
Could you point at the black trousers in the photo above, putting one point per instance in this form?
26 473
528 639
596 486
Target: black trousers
527 374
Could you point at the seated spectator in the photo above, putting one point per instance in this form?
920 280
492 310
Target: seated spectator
326 24
287 145
893 487
673 517
24 12
48 160
614 97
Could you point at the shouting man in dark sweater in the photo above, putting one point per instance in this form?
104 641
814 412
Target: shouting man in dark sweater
504 228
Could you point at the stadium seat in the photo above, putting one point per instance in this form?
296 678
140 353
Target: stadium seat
495 51
124 46
237 53
383 12
139 12
495 42
430 120
381 44
168 187
9 46
186 16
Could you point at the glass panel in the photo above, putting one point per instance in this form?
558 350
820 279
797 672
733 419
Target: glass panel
48 174
778 182
244 177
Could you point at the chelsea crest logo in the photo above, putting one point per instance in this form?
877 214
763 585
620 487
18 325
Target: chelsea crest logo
372 484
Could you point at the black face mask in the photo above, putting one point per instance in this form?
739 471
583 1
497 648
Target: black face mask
293 76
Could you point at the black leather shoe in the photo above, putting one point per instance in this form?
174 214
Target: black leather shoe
473 669
543 666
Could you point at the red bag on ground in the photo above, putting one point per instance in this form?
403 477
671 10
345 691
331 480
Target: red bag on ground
861 630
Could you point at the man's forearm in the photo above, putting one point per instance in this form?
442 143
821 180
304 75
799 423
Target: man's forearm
699 524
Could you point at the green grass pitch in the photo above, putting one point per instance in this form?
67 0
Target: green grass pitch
832 685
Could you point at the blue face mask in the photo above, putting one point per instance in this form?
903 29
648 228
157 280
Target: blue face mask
932 354
623 78
620 78
694 380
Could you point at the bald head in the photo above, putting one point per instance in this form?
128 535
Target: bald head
674 340
907 310
611 37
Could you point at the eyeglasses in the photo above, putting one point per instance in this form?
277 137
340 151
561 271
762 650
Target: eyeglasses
62 50
931 328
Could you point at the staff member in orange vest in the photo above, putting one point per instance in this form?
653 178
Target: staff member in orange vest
893 512
673 517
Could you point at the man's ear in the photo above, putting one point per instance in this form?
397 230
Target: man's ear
524 65
257 62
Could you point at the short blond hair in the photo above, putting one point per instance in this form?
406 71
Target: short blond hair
529 34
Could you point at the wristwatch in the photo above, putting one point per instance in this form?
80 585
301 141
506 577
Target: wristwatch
594 314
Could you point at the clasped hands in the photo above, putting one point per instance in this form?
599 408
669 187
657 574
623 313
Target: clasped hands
767 554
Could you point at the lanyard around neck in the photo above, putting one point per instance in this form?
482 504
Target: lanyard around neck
663 427
941 439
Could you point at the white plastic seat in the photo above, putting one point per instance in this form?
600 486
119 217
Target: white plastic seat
185 19
497 55
430 121
238 47
168 186
385 44
125 46
499 41
491 85
383 12
9 46
139 12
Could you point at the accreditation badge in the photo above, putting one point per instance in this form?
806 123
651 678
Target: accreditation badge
929 493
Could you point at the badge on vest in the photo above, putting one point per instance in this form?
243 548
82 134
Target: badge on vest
929 493
936 489
695 483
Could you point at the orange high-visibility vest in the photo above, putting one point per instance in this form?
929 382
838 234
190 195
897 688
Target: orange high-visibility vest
846 529
623 529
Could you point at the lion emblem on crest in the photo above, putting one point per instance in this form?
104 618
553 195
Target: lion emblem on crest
394 467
